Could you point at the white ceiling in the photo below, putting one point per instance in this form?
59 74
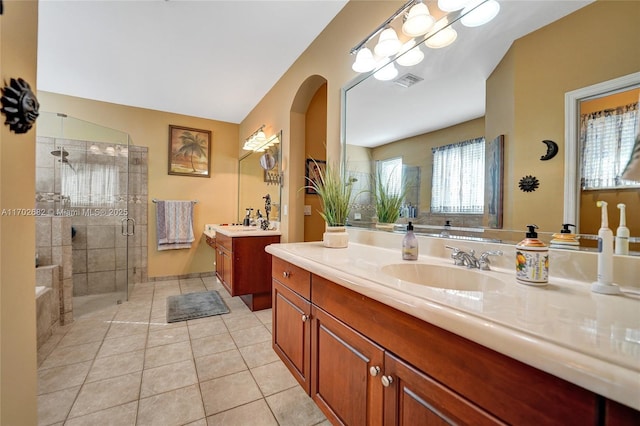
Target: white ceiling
211 59
453 89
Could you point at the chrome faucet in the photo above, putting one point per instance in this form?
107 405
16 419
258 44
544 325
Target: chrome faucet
468 259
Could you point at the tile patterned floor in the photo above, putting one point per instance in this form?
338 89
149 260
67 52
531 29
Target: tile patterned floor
124 365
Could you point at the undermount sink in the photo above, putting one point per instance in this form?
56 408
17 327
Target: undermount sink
446 277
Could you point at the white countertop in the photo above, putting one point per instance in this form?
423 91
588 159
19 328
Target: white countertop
588 339
238 231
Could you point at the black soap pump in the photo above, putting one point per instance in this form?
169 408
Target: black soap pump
565 239
410 244
532 259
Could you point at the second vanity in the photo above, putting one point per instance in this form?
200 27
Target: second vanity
242 265
372 347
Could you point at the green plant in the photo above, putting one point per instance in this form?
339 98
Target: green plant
388 200
335 194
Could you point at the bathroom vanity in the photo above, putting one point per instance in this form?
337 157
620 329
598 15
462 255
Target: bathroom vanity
371 348
242 265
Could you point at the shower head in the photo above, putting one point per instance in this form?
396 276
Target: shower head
60 152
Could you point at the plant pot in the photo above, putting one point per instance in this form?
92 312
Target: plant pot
335 237
385 226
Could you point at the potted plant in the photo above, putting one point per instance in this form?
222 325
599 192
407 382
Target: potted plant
335 197
388 201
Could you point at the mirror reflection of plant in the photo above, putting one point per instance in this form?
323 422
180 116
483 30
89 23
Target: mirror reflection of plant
335 194
388 199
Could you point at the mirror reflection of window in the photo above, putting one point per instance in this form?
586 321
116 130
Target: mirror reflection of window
390 171
458 178
606 141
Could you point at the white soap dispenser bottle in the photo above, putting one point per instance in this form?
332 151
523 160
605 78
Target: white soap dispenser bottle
604 283
622 233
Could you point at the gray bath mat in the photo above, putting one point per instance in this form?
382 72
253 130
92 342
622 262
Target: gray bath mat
195 305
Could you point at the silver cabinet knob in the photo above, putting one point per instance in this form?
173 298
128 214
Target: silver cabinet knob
286 274
374 371
305 317
386 381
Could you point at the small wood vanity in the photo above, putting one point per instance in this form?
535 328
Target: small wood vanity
366 363
242 265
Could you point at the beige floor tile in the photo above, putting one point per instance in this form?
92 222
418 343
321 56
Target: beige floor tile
167 354
255 413
66 376
228 392
126 328
273 378
258 354
120 345
121 415
116 365
265 316
132 315
161 323
293 407
71 355
251 336
167 336
220 364
168 377
210 327
201 422
177 407
81 335
53 407
212 344
241 322
106 393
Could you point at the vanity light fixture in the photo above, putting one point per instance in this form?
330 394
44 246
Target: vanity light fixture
256 139
443 37
479 12
364 61
418 21
410 54
388 43
387 72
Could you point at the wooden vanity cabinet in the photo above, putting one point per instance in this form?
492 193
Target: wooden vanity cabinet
291 331
244 268
366 363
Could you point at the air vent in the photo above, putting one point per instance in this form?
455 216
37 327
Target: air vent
407 80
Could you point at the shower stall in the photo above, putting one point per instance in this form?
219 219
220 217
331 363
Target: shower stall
91 191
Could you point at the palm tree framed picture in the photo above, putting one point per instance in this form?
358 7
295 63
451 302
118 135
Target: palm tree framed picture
189 151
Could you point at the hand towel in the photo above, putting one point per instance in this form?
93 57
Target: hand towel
174 224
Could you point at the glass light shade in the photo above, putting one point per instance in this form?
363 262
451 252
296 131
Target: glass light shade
481 14
451 5
410 54
364 61
419 21
441 39
388 43
388 72
261 137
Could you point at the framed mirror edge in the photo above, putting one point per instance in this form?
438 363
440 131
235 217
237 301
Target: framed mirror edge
572 101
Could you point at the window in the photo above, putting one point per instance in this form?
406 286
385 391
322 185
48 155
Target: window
91 184
458 178
390 171
606 142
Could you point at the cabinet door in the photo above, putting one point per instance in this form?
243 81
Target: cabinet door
219 264
345 371
291 332
411 398
227 271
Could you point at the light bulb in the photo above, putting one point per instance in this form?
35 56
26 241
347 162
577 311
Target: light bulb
388 43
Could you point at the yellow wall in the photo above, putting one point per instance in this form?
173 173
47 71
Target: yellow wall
217 195
315 131
18 43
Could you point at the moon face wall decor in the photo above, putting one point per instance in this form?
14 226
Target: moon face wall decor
552 150
19 105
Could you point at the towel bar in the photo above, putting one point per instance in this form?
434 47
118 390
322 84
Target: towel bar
155 200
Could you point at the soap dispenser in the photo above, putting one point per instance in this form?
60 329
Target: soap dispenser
622 233
565 239
532 259
410 244
604 283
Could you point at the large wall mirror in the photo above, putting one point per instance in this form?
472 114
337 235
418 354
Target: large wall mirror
443 100
258 176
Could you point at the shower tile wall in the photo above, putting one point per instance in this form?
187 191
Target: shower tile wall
99 248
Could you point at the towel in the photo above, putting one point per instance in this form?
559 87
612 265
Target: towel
174 224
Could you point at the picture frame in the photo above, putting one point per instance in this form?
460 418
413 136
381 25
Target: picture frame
312 175
189 152
494 181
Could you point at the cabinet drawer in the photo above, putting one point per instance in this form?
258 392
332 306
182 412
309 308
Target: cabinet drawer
297 279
